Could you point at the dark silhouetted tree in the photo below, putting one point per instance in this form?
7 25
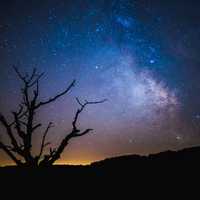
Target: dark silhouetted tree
21 130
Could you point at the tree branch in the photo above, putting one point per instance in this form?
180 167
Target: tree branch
44 138
9 153
52 157
83 105
36 80
17 122
24 124
19 117
9 132
29 81
83 133
57 96
23 78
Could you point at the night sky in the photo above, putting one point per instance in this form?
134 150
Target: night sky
141 55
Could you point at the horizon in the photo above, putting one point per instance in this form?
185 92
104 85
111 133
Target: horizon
89 162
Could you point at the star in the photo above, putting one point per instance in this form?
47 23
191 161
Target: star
152 61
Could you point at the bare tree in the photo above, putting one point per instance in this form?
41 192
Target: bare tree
21 130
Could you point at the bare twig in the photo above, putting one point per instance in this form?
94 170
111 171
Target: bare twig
9 153
83 105
50 125
23 78
52 157
57 96
9 131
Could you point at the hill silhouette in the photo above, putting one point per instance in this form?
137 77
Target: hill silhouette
177 168
185 155
169 160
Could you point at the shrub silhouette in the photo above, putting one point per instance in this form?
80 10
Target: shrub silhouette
20 131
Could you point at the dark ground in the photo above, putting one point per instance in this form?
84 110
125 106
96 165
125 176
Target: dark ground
169 171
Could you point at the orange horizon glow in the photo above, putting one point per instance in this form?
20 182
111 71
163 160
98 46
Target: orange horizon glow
61 162
74 162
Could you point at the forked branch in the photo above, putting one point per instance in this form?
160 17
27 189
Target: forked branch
20 130
54 155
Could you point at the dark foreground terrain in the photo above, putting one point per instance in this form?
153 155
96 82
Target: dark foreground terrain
166 168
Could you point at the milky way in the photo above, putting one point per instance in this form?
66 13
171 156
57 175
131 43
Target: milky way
141 56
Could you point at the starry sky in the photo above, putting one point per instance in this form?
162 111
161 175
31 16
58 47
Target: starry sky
141 55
